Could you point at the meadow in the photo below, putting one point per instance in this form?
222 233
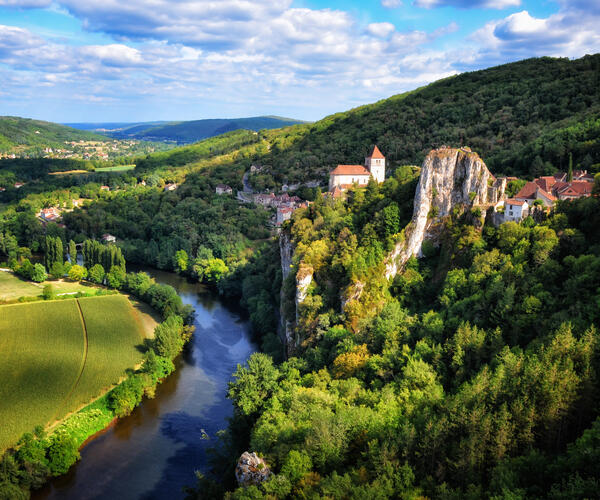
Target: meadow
118 168
13 287
56 356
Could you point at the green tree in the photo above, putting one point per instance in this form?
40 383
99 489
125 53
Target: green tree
73 252
181 261
77 272
116 277
570 171
96 274
39 273
57 270
48 292
62 453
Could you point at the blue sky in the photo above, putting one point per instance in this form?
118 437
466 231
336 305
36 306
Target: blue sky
134 60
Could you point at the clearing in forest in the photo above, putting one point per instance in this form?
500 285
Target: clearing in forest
56 356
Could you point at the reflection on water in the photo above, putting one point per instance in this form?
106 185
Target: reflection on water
154 452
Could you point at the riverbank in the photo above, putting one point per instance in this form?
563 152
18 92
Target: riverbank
155 451
39 454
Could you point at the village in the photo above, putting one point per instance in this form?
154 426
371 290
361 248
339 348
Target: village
533 198
83 150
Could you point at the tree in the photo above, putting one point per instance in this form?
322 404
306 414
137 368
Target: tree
181 261
62 453
54 251
168 340
73 252
116 277
48 292
570 171
77 272
96 274
57 270
39 273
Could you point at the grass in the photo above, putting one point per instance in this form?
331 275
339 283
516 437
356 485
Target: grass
47 369
12 287
115 336
41 351
118 168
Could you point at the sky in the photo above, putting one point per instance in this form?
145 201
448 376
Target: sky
140 60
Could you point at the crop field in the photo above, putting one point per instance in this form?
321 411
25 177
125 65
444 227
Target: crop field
56 356
118 168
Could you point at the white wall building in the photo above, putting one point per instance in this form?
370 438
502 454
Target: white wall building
515 210
343 176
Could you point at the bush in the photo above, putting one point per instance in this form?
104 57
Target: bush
48 293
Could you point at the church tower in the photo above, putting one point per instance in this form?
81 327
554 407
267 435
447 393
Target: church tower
375 164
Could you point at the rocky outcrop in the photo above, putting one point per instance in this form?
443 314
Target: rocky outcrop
286 327
251 469
449 178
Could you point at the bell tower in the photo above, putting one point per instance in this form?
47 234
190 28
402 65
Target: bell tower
375 164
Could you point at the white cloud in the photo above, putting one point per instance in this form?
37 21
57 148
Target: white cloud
25 4
381 29
468 4
391 4
569 32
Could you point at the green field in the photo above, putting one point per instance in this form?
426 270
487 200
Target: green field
118 168
51 364
12 287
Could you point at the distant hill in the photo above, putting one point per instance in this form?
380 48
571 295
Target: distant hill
16 132
184 132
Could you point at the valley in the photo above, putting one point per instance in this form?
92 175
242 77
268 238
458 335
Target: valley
400 329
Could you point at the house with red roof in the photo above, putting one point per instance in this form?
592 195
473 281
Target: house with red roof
533 191
344 176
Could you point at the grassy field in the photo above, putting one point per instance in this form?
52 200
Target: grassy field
56 356
12 287
118 168
115 335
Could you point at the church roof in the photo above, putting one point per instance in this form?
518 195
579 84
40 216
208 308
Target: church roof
350 170
375 153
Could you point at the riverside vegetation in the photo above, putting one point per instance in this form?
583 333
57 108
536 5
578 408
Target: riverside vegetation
472 374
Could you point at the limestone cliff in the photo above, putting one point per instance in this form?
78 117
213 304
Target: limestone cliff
449 178
286 327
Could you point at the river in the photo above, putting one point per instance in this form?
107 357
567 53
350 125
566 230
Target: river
154 452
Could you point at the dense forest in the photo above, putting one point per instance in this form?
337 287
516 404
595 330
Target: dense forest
474 373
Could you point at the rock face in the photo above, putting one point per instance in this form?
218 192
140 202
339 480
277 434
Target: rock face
251 469
449 178
286 327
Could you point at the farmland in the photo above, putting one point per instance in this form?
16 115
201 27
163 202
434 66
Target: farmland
56 356
12 287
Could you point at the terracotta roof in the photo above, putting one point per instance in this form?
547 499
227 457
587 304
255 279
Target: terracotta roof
532 191
514 202
350 170
375 153
546 182
578 188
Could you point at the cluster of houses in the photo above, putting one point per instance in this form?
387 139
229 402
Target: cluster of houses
544 192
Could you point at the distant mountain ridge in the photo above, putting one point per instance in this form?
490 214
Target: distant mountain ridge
16 132
184 132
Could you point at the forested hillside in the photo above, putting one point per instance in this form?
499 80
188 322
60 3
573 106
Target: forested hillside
15 131
523 118
473 374
188 131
